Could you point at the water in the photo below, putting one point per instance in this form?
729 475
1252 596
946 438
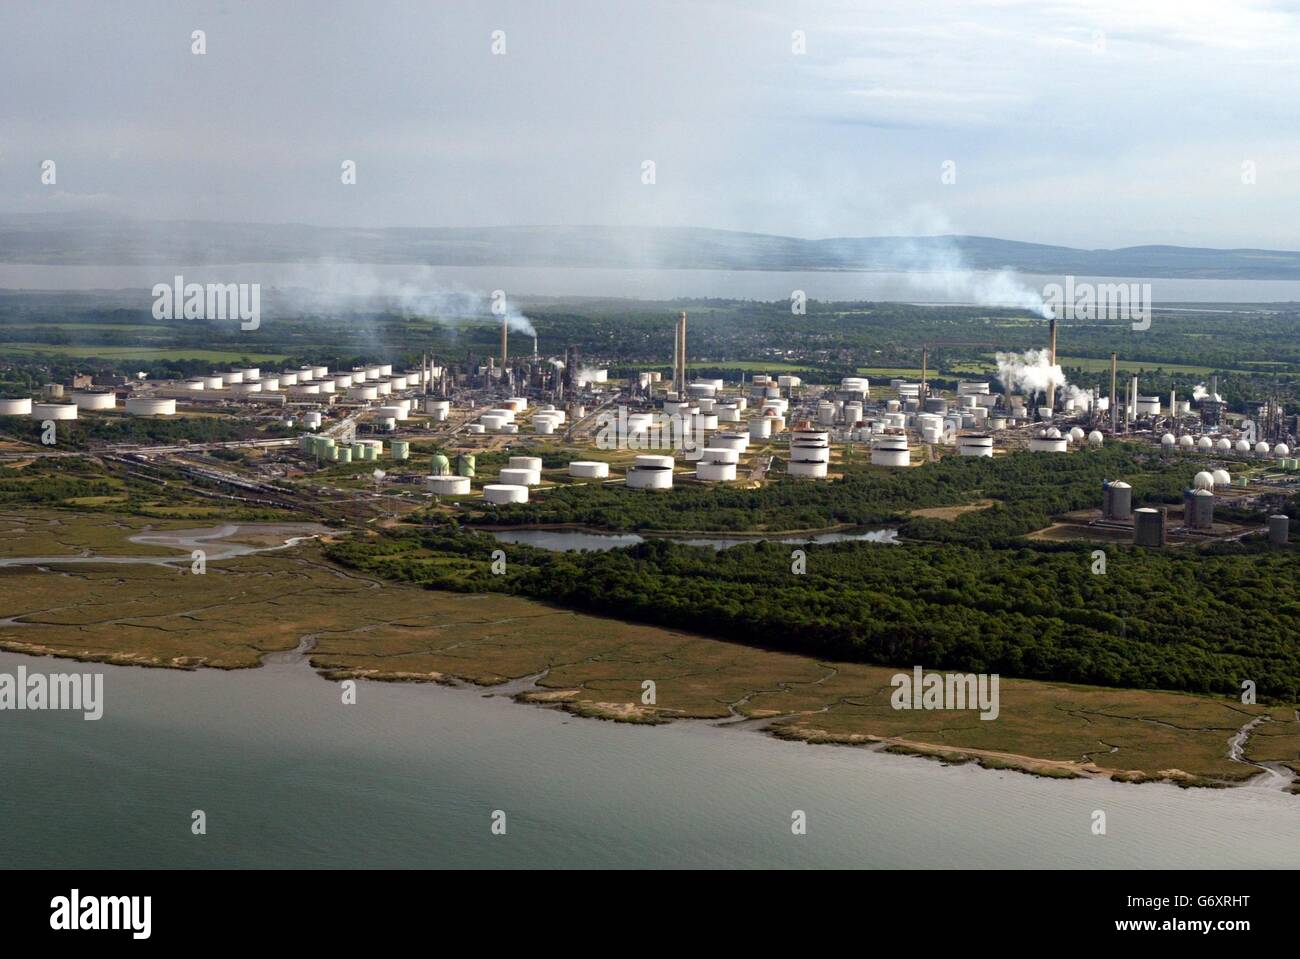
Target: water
649 284
571 539
410 776
209 540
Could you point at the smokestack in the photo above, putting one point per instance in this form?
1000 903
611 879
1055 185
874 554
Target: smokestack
1131 413
1173 404
535 354
1051 387
505 328
681 354
1114 397
925 368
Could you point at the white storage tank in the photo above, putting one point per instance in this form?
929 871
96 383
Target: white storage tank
520 477
1186 442
344 381
1242 446
730 441
807 469
1205 443
492 421
363 394
1261 448
288 378
975 444
1203 480
1168 441
54 411
502 494
1223 445
231 377
717 455
760 428
311 420
438 409
150 406
543 425
319 372
393 412
1222 477
715 472
214 382
89 400
651 471
1046 443
588 469
890 449
1281 450
15 406
525 463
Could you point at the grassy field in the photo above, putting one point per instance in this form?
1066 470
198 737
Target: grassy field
246 607
90 351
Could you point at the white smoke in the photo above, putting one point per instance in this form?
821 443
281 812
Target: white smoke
1199 392
558 364
1031 372
937 267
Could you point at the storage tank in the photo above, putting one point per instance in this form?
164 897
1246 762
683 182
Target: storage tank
533 463
194 384
807 469
1203 480
1279 529
1186 442
501 494
760 428
1148 406
231 377
1168 441
1205 444
319 372
1046 443
1198 509
544 425
326 386
288 378
715 472
245 388
1281 450
16 406
975 444
1242 446
346 455
54 411
311 420
1149 526
447 485
493 421
401 449
1117 500
651 472
393 412
715 454
1223 444
475 429
150 406
344 381
1261 448
730 441
439 465
465 464
438 409
588 469
1076 435
890 449
94 400
363 394
1221 477
214 382
520 477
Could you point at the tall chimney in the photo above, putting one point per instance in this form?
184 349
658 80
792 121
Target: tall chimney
1132 403
681 354
925 369
1051 387
1114 397
505 327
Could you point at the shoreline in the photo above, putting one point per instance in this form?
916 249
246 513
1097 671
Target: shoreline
525 690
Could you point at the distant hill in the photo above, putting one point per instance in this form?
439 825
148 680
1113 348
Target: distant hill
102 241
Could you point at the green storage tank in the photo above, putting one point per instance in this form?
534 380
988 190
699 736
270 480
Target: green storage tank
401 449
440 465
465 464
345 456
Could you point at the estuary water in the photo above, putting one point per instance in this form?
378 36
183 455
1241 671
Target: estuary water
409 776
565 540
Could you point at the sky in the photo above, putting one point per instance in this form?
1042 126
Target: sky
1092 123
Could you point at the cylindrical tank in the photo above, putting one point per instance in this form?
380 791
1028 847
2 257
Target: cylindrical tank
346 455
1198 509
807 469
975 444
1149 526
439 465
715 472
760 428
520 477
503 493
444 485
465 464
1117 500
54 411
438 409
533 463
588 469
16 406
1279 529
890 449
150 406
1047 444
401 449
392 412
94 400
713 454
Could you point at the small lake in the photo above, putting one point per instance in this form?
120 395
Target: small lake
568 540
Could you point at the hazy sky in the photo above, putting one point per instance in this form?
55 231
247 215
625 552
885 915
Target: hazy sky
1094 123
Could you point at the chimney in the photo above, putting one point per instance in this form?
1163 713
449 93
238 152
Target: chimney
1114 397
1051 387
505 327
